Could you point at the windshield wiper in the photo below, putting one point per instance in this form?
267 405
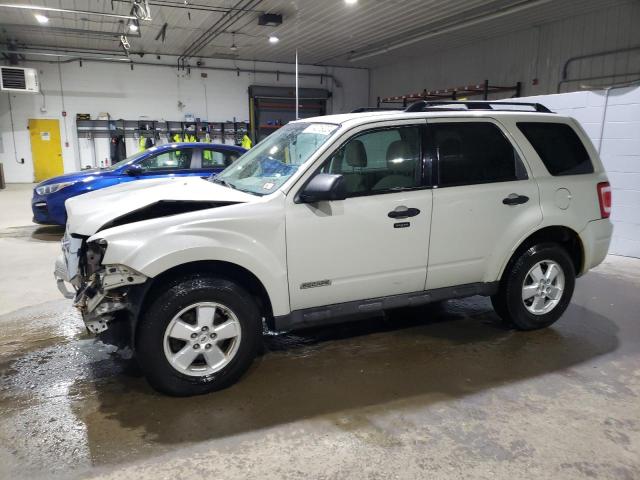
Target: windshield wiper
220 181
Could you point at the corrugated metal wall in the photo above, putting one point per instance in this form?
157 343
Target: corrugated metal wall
538 52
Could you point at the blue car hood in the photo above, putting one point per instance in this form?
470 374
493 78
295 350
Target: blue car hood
76 176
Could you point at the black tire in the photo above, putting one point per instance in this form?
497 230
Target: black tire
508 302
171 299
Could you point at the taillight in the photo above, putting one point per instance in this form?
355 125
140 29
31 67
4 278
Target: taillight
604 197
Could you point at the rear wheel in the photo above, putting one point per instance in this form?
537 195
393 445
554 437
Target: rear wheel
536 287
200 334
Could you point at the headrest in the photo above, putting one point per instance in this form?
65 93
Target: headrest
400 157
355 155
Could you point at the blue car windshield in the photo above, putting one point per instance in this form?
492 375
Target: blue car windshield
264 168
126 161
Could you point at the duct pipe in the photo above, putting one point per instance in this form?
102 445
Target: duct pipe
66 10
171 65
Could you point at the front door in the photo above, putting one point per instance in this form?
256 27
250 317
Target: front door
485 202
373 244
46 150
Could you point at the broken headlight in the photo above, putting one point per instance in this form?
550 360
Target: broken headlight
94 255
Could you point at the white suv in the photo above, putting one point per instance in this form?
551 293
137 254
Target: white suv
335 217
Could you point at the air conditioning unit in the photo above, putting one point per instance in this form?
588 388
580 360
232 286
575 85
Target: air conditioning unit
16 79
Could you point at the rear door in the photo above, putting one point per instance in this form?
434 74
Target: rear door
485 201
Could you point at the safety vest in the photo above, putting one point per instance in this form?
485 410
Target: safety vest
246 142
207 154
187 138
141 144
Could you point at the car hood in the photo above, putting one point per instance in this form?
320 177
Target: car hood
84 175
146 199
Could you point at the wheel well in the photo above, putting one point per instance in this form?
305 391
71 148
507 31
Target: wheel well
230 271
564 236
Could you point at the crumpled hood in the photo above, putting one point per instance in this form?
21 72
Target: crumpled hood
89 212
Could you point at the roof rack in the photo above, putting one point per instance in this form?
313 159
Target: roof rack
425 105
375 109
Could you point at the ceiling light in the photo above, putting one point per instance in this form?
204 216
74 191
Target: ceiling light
41 18
273 39
350 2
133 26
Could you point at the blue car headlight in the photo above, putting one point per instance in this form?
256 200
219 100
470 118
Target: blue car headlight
52 188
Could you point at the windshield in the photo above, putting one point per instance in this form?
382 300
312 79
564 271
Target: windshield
269 164
127 160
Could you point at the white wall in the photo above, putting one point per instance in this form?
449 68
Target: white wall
619 141
538 53
148 92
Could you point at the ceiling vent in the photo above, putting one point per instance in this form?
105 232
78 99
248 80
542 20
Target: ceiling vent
16 79
270 19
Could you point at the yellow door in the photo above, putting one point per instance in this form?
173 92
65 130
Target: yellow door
46 150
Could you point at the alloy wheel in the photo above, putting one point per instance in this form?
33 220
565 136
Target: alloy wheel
543 287
202 339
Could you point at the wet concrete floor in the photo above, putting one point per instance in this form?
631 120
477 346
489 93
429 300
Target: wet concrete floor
446 387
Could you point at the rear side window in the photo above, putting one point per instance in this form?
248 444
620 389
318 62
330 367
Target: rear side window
474 152
558 146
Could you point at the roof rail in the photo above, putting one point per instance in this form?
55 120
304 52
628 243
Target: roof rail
425 105
374 109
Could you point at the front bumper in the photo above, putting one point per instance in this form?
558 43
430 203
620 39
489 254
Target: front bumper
48 209
99 296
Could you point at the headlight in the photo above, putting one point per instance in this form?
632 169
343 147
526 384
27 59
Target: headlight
52 188
94 254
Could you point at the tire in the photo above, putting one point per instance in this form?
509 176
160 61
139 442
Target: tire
545 302
177 364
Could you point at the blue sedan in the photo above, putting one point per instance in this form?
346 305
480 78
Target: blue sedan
168 160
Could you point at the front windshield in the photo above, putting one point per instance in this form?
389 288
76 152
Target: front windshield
264 168
127 160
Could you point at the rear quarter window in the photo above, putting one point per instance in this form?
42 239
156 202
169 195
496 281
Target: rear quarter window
558 146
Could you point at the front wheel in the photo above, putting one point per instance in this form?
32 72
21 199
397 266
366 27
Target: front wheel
200 334
536 288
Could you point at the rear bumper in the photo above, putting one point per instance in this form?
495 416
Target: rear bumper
596 238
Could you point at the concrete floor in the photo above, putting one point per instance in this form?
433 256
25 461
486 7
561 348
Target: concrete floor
438 392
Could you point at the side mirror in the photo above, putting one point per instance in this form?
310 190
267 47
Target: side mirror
324 187
134 170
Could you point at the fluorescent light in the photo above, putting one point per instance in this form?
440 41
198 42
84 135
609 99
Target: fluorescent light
133 27
273 39
350 2
41 18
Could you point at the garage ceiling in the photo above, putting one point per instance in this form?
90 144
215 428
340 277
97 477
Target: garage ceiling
328 32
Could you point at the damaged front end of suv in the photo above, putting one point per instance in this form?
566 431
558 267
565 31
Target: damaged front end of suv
100 292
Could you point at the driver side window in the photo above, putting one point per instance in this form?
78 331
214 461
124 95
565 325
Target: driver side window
176 159
379 161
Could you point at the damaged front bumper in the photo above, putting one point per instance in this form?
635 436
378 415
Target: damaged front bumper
104 293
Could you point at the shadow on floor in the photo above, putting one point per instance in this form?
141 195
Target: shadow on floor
40 233
415 356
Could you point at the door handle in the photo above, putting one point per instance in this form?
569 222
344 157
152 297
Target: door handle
515 199
403 212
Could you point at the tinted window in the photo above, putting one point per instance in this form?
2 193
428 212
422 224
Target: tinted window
175 159
379 161
471 153
218 158
558 146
